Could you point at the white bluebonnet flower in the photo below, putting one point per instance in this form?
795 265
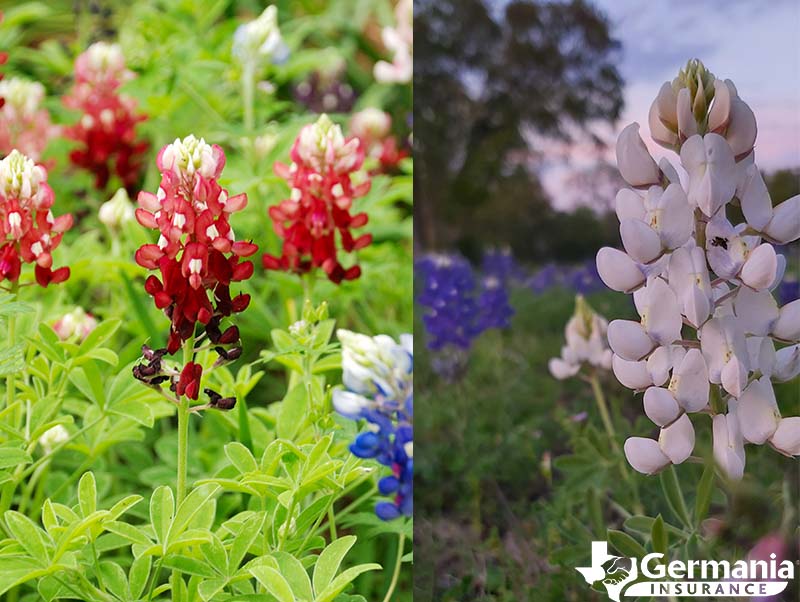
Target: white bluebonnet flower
378 376
260 40
702 284
586 343
376 368
53 437
117 210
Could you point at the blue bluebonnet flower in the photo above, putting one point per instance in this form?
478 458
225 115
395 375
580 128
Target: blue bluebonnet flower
378 375
448 292
584 278
545 278
494 309
500 264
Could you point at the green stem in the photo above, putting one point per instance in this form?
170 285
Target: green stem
602 406
12 335
350 507
287 524
245 436
248 84
183 429
154 578
401 541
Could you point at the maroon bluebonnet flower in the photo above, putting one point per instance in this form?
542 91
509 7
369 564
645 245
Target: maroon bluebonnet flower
28 231
106 131
323 189
197 256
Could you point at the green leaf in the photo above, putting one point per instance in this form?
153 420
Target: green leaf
162 509
672 491
273 582
293 412
295 573
241 457
705 489
136 410
122 506
13 455
101 353
282 340
659 536
342 581
328 362
49 345
129 532
643 525
28 535
188 565
209 588
329 561
323 332
14 571
138 575
625 544
243 540
135 297
114 579
99 335
87 494
216 556
12 360
190 507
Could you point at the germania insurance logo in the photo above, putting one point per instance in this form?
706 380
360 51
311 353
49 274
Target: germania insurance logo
654 575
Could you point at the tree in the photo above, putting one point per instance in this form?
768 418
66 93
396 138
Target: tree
492 82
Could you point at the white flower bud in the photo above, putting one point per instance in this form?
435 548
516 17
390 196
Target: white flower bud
618 271
710 164
20 177
660 406
758 411
375 365
260 40
116 211
53 437
645 455
787 326
742 130
22 97
629 340
761 267
633 159
322 145
690 382
787 363
786 438
76 324
784 226
349 404
728 443
677 440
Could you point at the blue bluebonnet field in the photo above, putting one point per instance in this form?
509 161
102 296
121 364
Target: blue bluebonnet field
194 197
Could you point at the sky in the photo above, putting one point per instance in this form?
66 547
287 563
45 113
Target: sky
755 43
